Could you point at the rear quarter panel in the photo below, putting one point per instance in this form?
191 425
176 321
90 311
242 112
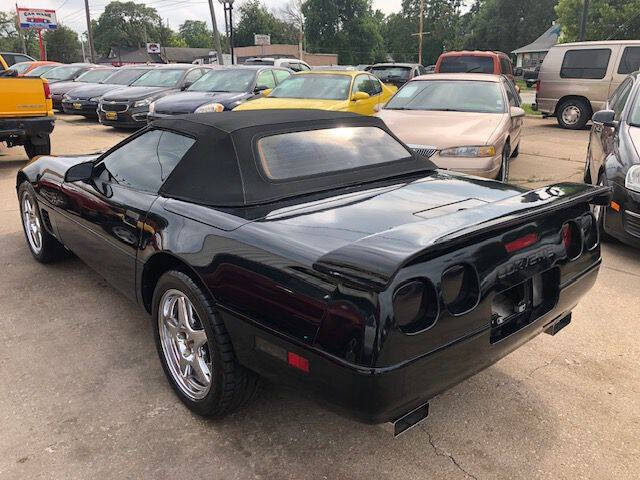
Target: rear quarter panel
23 97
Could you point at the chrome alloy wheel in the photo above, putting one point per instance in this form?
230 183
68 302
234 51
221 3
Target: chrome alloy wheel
31 223
184 344
571 115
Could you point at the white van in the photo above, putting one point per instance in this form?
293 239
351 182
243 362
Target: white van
576 79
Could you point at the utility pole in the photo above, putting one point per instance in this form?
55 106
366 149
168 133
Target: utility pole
20 34
421 33
585 18
89 34
216 33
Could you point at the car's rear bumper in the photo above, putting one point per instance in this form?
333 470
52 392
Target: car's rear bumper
25 127
80 107
624 224
377 395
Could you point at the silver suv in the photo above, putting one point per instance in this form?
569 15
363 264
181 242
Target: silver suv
577 78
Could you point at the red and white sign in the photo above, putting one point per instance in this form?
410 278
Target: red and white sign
40 18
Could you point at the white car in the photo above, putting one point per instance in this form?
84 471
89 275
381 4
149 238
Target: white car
291 63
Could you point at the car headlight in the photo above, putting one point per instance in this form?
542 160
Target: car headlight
65 96
142 103
94 99
210 107
632 182
484 151
152 107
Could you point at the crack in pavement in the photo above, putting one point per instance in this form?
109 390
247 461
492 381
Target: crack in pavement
546 364
447 455
566 159
633 274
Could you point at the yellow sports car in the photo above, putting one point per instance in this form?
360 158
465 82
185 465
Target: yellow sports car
346 91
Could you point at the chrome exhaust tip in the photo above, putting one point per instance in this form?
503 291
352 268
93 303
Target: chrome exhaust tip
407 421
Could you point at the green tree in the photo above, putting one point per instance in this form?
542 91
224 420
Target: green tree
256 18
10 40
608 19
348 27
129 25
506 25
63 45
196 34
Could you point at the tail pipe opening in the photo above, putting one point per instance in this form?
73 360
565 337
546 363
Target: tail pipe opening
559 325
408 420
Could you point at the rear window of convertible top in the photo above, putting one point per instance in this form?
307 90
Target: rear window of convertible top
314 152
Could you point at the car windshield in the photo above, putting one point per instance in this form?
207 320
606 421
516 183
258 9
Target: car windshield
391 73
42 69
62 73
125 76
20 67
449 95
162 77
239 80
466 64
95 76
321 87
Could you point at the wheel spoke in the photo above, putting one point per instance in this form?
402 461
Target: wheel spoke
200 370
199 338
183 314
184 364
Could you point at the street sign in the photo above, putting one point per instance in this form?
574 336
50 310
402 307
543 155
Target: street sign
259 39
39 18
153 48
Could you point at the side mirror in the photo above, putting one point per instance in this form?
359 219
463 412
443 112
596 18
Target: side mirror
517 112
81 172
260 88
518 72
186 85
360 96
605 117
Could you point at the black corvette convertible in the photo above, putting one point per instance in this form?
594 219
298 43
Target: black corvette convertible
315 248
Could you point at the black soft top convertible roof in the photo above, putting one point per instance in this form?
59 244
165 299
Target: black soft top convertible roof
222 168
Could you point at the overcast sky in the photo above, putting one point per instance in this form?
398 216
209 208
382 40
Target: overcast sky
71 12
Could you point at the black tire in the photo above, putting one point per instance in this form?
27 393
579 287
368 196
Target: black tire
232 385
503 174
50 249
573 114
33 149
516 152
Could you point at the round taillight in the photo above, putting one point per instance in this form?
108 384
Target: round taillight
460 289
415 306
572 240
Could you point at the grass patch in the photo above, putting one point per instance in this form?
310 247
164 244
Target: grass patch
523 86
530 111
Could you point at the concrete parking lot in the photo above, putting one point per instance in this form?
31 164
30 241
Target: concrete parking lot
82 393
